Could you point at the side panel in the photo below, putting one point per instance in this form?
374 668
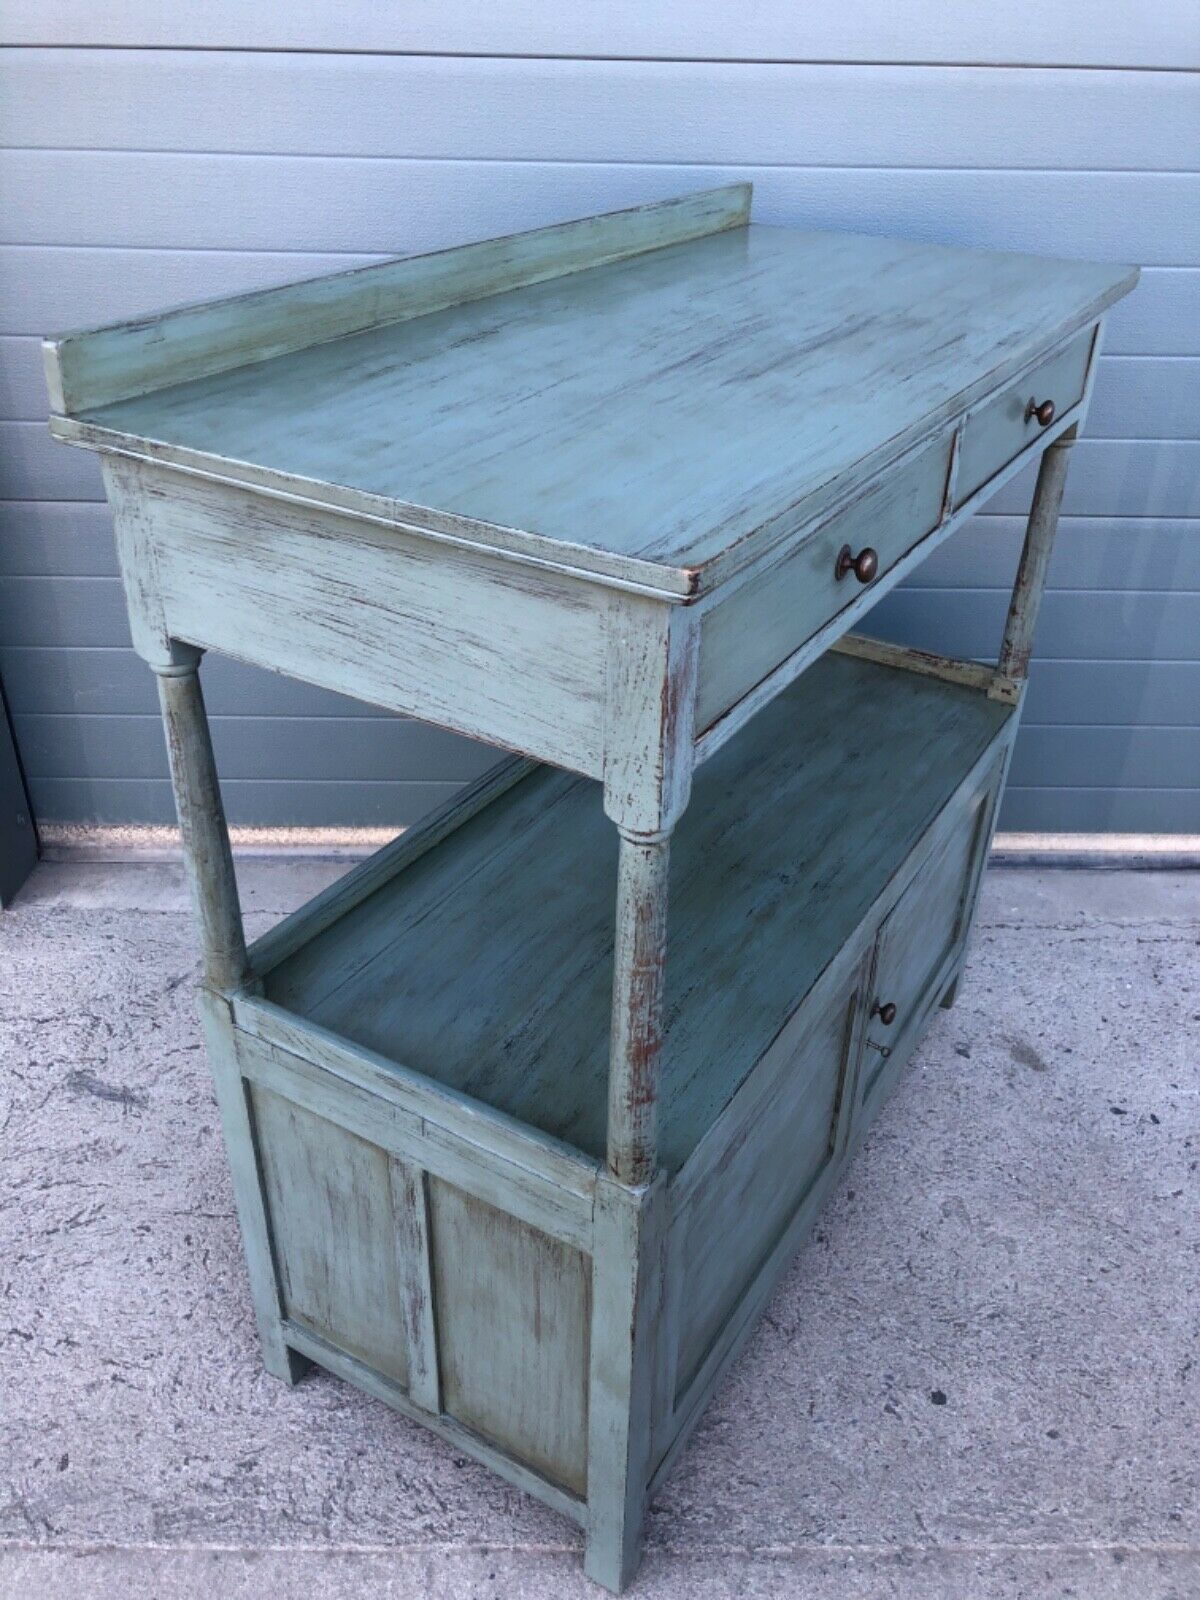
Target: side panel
480 1318
335 1234
513 1308
487 647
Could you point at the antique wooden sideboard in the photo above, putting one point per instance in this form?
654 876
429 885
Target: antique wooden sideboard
610 495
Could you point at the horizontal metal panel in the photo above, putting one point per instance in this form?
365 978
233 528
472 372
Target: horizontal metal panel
249 803
22 381
1145 398
1141 758
1132 627
470 107
88 611
33 466
1119 478
1106 32
55 678
1089 553
319 204
56 538
1125 693
1161 316
1051 810
323 749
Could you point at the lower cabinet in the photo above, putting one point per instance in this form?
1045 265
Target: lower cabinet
744 1202
469 1268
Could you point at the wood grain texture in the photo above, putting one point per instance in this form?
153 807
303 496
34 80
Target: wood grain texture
946 863
409 1189
766 1167
202 824
1017 647
635 1048
93 369
768 874
781 364
455 637
502 1164
920 936
627 1283
324 909
109 692
48 286
513 1316
997 430
764 620
333 1228
651 668
1138 397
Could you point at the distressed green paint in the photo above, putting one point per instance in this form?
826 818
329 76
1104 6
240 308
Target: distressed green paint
664 418
528 1114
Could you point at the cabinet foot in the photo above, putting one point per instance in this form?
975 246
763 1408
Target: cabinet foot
612 1559
286 1364
951 993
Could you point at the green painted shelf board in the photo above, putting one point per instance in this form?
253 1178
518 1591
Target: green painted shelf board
487 964
662 409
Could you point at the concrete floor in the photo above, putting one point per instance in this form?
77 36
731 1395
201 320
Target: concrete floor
980 1378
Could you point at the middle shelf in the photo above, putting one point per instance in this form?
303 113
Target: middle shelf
486 964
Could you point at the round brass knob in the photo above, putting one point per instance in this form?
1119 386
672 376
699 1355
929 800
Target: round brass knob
886 1013
864 565
1042 414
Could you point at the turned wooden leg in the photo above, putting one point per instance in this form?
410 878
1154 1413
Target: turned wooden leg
628 1225
209 864
1035 558
638 963
206 849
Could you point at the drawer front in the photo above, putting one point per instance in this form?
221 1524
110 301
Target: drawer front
1002 427
762 623
920 936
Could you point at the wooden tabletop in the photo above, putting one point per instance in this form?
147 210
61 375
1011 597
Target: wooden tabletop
658 413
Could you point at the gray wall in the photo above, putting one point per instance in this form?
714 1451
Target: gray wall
156 156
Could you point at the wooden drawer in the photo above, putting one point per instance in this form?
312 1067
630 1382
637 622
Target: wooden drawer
920 939
763 622
1002 427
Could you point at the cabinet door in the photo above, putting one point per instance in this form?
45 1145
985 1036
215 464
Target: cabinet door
742 1217
920 941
